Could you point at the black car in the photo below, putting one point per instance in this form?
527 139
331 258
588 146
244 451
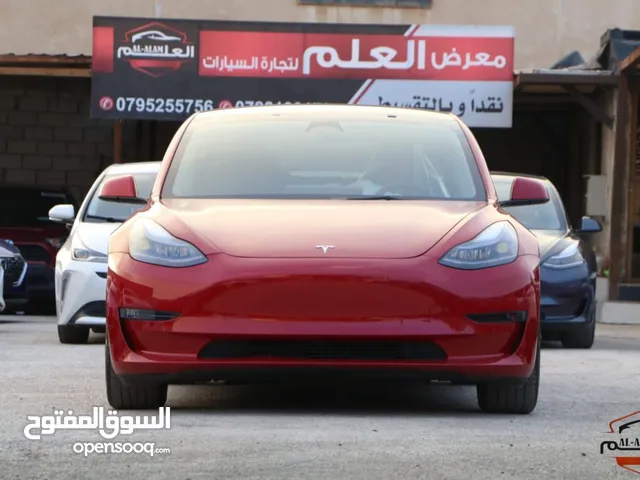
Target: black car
14 268
568 266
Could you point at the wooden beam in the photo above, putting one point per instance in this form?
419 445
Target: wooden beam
632 61
589 105
46 72
619 190
577 79
117 142
45 59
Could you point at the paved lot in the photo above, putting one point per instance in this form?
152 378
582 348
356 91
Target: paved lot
377 432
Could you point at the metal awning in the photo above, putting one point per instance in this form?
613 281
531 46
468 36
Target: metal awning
568 85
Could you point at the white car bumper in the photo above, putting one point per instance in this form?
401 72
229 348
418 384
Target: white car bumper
81 294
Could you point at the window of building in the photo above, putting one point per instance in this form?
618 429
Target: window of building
370 3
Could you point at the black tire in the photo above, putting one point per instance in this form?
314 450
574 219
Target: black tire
582 338
126 396
73 334
511 399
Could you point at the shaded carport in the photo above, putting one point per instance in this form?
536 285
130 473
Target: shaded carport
558 121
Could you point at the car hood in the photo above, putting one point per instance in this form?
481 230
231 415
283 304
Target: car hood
547 239
95 236
294 228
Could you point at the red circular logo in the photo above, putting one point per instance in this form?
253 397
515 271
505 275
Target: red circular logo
225 104
106 103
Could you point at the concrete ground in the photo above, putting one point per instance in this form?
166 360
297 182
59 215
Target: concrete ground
377 432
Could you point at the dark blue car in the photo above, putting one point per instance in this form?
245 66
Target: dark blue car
15 271
568 266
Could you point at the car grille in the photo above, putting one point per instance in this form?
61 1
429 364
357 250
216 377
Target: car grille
323 350
34 253
13 267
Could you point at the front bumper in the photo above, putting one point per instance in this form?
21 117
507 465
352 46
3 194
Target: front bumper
567 300
230 308
40 281
81 294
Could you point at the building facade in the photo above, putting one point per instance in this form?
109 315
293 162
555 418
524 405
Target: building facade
546 29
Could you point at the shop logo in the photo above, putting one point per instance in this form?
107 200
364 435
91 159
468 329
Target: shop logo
106 103
156 49
624 438
225 104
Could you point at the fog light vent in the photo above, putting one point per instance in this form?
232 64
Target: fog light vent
502 317
140 314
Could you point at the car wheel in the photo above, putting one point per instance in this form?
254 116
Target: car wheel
582 338
73 334
126 396
518 399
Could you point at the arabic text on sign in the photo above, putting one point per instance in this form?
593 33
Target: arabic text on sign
328 57
264 64
156 51
488 105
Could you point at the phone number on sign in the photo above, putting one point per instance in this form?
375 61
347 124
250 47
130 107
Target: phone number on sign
163 105
180 105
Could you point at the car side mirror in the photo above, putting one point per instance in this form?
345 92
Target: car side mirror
64 213
589 225
526 191
122 190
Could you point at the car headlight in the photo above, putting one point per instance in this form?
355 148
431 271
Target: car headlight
81 253
56 242
495 245
570 257
151 243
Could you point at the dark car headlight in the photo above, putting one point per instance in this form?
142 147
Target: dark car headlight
569 257
495 245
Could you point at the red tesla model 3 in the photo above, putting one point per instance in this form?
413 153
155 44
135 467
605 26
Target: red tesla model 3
323 242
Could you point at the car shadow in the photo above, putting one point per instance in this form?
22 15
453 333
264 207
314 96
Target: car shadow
355 399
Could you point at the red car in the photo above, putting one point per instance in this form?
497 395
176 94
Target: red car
323 242
24 219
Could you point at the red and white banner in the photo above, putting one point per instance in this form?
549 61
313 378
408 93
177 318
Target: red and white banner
464 70
168 69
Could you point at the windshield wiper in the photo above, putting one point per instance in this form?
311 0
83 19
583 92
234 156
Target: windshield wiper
104 219
377 197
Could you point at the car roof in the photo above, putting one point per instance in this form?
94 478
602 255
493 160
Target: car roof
131 168
329 110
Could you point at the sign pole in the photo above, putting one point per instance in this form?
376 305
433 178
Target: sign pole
117 142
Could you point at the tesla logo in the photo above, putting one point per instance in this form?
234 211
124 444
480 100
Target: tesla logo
156 49
325 248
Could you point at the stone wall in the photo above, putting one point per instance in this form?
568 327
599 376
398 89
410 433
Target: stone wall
47 136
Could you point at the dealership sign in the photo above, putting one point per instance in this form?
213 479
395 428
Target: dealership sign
170 69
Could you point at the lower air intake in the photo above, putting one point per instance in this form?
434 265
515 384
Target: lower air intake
322 350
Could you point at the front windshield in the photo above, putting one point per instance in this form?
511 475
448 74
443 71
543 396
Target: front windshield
102 211
330 157
546 216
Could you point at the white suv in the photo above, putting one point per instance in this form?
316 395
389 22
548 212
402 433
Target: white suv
81 263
